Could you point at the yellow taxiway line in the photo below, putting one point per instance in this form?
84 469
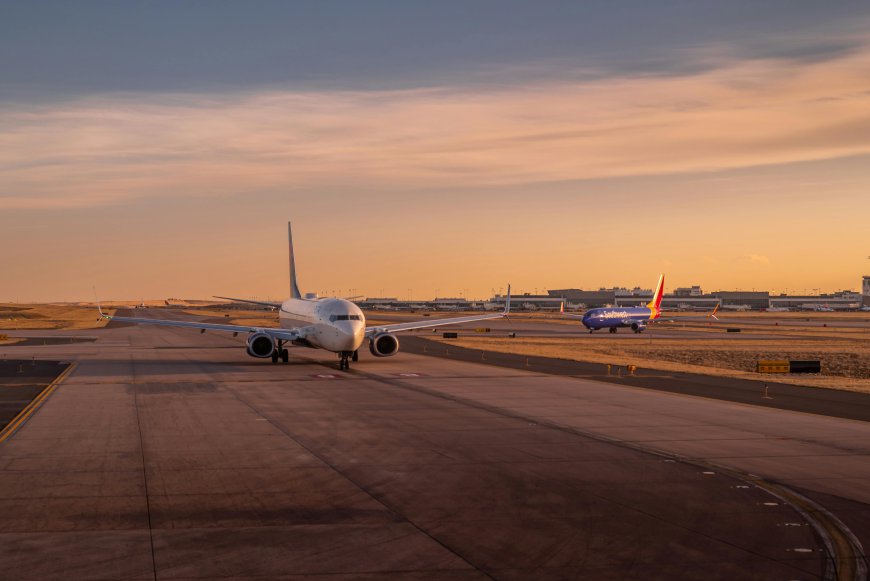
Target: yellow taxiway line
29 410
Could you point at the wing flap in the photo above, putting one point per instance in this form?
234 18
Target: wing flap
431 323
262 303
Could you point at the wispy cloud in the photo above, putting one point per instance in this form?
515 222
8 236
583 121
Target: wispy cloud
106 149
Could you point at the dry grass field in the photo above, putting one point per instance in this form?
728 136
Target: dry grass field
15 317
845 362
254 318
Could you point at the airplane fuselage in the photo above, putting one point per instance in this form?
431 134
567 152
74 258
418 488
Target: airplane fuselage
336 324
614 317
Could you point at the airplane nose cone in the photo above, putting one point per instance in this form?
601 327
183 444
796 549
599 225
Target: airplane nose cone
348 336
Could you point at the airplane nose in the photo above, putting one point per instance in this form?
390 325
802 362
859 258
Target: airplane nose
351 335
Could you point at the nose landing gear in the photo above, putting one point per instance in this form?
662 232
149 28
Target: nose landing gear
280 353
344 359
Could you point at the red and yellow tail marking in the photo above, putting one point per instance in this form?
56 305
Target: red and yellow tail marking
656 302
713 314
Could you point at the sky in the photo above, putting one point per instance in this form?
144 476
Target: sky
158 149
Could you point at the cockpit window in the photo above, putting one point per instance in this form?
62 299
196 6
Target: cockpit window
333 318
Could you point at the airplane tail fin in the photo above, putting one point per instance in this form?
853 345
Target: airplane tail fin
656 301
294 288
562 308
713 314
507 304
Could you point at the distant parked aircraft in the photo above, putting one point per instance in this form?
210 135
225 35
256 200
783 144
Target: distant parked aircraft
816 308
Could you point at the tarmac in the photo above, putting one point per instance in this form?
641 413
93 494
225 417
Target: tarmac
170 454
830 402
20 382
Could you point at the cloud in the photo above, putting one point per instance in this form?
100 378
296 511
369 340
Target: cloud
107 149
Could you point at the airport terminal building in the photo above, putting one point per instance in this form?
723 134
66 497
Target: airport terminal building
684 298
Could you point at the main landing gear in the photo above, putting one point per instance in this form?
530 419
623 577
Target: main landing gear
345 357
613 329
280 353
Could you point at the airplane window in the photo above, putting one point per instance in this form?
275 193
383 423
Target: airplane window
333 318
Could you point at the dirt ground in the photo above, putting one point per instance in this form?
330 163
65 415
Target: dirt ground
14 317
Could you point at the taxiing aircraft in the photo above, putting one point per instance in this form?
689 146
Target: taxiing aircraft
333 324
635 318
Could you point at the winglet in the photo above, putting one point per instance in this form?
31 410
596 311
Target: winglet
99 307
294 288
507 303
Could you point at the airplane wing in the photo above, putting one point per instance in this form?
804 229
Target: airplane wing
284 334
689 318
262 303
395 328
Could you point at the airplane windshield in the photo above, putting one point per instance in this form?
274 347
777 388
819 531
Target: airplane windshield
333 318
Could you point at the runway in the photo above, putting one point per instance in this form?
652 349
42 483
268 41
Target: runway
171 454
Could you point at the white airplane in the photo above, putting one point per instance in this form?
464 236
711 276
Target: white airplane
333 324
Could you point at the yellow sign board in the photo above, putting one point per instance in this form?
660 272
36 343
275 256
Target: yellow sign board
772 367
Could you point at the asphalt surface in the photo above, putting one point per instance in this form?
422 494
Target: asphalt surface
21 381
171 454
57 340
829 402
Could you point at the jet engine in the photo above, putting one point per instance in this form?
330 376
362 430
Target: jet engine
261 345
384 345
637 327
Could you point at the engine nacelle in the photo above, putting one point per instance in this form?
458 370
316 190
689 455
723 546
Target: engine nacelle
384 345
637 327
261 345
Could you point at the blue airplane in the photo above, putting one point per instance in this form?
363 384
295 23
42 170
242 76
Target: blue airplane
635 318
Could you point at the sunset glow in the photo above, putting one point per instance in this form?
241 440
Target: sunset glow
736 173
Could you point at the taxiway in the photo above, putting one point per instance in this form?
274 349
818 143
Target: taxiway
170 454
